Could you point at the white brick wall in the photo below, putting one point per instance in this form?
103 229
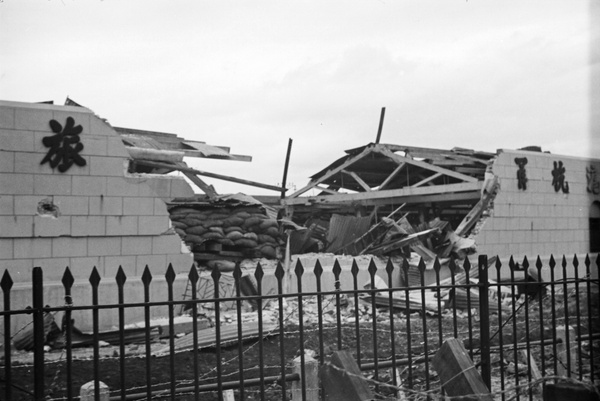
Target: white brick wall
106 217
539 220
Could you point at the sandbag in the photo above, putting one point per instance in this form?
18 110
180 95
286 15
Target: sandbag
227 230
212 223
251 221
251 236
268 251
179 224
217 230
226 242
194 239
211 235
196 230
266 239
233 235
233 221
245 243
273 232
267 223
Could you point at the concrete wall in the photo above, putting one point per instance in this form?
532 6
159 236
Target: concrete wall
95 215
538 220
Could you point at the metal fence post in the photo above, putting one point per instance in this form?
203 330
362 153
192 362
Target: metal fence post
484 321
38 330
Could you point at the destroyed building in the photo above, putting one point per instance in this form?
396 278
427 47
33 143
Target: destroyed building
387 200
108 201
75 192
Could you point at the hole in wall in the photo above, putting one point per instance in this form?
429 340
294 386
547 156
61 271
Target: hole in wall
47 208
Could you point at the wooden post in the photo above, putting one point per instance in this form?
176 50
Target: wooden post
343 381
566 351
87 392
535 371
457 372
285 168
380 124
310 379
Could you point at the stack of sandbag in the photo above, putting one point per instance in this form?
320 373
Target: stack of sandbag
245 229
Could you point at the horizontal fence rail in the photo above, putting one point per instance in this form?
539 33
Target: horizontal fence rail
523 326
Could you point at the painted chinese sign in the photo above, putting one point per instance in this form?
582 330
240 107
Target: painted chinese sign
558 178
593 185
64 146
521 173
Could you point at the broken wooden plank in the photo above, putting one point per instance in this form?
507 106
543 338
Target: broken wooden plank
228 333
342 379
473 216
193 172
457 372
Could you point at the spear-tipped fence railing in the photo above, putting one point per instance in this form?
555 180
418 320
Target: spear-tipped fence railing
392 332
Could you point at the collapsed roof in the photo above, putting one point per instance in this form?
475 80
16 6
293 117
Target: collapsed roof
434 188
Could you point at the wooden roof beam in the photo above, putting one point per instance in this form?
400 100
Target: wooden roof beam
392 176
426 180
359 180
333 172
406 192
401 159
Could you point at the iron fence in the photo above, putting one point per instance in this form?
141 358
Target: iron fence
535 326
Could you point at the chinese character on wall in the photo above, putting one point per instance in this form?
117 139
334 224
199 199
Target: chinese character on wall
593 186
64 146
558 178
521 173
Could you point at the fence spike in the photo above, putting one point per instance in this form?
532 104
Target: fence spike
467 265
372 268
564 262
216 275
575 261
318 270
389 267
436 265
422 266
279 271
511 264
299 270
538 263
67 278
120 277
237 272
552 262
525 263
7 281
260 273
170 274
95 277
498 264
193 274
146 276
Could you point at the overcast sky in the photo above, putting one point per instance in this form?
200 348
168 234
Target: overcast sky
251 74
